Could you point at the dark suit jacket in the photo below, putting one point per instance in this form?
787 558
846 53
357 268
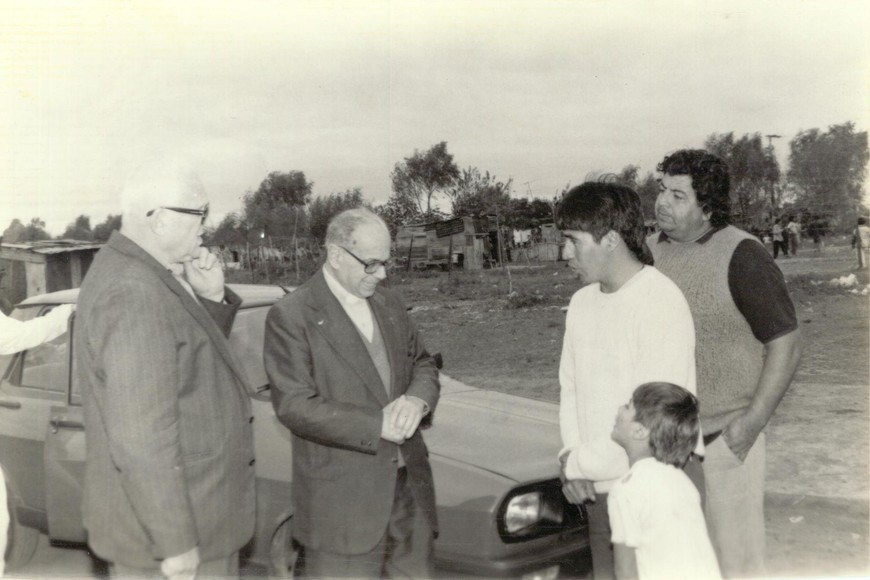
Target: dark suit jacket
167 415
326 389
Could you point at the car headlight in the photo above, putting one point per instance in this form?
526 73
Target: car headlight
522 511
537 509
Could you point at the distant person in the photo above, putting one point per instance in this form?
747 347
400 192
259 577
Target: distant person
352 381
748 345
630 325
862 240
780 240
655 510
169 477
814 231
793 229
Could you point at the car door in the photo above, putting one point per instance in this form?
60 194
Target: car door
34 382
64 459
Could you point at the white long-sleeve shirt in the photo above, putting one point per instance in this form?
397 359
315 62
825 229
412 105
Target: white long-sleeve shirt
16 335
614 343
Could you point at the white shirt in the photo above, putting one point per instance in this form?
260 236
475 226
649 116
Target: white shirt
357 308
656 510
16 335
614 343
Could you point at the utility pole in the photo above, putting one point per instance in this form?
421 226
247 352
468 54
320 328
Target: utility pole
773 207
528 188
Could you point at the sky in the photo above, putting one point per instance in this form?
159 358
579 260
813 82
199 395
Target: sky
540 92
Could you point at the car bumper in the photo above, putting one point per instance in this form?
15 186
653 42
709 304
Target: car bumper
568 561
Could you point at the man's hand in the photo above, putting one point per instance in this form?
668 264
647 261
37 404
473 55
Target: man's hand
389 432
205 275
577 491
740 435
181 567
406 414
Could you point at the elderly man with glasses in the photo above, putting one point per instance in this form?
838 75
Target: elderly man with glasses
352 380
169 482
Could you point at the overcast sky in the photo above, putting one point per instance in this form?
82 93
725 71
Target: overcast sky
543 92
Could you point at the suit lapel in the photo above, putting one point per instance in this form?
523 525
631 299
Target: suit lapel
333 323
392 338
194 308
201 315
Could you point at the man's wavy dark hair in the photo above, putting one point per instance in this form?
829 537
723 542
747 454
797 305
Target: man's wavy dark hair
598 207
710 180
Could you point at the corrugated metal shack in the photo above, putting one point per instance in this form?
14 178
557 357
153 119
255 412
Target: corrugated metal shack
31 268
429 245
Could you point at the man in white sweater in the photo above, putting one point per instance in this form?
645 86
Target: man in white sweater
628 326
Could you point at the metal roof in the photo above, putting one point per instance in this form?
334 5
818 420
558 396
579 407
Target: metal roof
53 246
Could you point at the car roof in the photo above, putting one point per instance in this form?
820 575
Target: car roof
251 294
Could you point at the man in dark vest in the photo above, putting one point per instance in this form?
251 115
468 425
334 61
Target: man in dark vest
352 380
748 344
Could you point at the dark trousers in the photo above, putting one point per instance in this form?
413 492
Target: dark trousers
405 550
777 246
599 538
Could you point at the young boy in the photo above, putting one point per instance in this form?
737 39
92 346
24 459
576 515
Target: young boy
655 510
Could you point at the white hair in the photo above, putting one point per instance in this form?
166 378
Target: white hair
160 183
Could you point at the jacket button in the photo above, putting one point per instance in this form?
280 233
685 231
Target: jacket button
395 460
251 420
252 462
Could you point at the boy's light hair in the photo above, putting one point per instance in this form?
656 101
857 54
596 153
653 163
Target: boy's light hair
670 413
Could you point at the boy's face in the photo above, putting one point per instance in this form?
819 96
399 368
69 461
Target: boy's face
624 425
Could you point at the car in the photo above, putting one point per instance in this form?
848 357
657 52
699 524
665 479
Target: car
499 499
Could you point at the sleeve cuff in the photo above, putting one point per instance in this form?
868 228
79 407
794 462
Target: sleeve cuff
425 404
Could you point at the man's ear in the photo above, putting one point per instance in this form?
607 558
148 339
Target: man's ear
611 240
157 222
332 255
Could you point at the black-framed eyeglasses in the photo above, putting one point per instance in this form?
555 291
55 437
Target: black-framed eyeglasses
370 266
202 213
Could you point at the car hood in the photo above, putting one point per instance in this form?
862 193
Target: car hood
515 437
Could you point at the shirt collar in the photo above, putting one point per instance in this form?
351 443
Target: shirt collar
663 237
338 290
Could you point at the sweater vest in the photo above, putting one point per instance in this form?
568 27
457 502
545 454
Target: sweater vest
728 357
378 351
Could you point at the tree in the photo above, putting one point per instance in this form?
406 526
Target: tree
32 232
473 194
13 233
230 231
525 214
647 189
827 170
80 229
274 209
421 175
399 211
752 167
288 188
104 230
323 208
